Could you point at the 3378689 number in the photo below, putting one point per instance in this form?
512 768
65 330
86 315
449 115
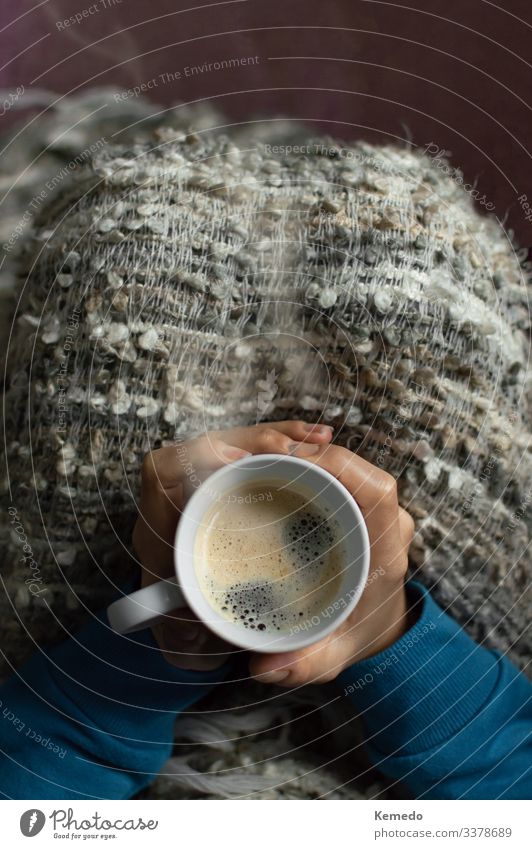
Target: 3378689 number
484 831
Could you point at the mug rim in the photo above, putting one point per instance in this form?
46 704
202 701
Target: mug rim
232 632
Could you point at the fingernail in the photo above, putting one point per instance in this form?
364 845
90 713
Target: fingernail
273 677
322 429
230 452
303 449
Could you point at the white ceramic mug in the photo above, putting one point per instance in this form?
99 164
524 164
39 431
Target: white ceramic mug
149 605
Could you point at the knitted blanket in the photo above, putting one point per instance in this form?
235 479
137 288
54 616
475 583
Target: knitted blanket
182 280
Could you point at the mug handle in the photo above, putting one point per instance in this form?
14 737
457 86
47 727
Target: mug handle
145 607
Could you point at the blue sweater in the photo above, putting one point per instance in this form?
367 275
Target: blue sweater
93 718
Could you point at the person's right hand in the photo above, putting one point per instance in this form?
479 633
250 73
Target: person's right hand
382 616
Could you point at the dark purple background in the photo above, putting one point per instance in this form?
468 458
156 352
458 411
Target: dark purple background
456 73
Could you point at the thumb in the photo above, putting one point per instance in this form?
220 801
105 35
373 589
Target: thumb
316 664
274 668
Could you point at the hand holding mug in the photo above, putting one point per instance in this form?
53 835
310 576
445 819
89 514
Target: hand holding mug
169 477
381 616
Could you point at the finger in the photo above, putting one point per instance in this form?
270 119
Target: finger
370 484
277 437
262 439
317 664
168 467
187 643
374 490
205 652
195 661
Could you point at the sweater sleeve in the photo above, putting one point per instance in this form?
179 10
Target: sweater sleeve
92 718
444 716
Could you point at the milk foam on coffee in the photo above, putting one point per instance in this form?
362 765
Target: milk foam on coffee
268 556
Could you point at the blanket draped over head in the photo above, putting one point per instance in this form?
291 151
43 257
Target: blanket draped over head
184 283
